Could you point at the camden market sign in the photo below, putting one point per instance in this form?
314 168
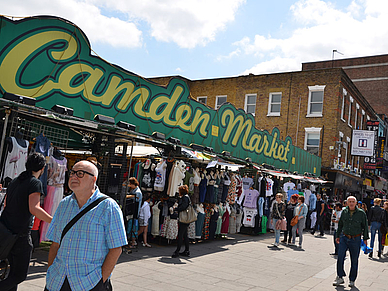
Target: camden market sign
49 59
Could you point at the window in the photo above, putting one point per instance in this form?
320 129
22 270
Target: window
275 100
202 99
220 100
356 115
315 105
350 110
362 119
343 105
312 138
250 103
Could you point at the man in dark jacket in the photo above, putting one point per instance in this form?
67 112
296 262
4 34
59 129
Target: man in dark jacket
320 208
376 216
352 224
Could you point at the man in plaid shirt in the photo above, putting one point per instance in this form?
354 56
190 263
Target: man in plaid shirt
89 251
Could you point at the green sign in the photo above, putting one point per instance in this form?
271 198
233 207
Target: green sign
49 59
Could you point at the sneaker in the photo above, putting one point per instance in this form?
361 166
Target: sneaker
292 244
185 254
379 254
338 281
370 255
146 245
300 246
275 244
351 284
175 255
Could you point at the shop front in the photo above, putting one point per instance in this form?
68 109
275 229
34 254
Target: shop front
55 92
343 185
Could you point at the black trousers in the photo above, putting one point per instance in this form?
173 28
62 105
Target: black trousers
19 260
288 232
320 224
182 236
99 287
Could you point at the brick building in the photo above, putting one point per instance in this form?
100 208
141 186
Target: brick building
369 74
317 108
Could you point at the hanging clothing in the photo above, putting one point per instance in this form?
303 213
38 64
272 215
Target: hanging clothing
213 224
148 180
196 181
200 221
268 189
155 219
249 217
239 185
42 145
16 160
176 177
232 220
209 198
221 212
247 182
231 198
239 215
250 198
160 176
205 230
189 181
225 222
202 189
216 189
191 231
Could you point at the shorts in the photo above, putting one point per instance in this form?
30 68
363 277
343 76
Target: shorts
142 222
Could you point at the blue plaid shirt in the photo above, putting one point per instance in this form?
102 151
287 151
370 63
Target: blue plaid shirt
86 244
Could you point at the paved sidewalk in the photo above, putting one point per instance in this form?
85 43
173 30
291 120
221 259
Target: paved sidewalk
240 262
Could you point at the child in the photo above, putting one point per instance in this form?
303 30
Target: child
144 216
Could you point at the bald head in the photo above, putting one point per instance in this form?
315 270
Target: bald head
87 166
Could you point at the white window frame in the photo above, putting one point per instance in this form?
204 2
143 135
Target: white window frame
355 119
350 110
218 105
362 118
344 93
202 97
270 103
346 152
315 88
367 117
246 103
312 130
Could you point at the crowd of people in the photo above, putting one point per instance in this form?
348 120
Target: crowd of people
83 254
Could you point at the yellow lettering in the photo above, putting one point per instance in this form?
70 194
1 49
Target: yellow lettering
242 125
182 120
200 118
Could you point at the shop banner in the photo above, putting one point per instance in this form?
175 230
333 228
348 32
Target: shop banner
49 59
363 142
370 162
380 153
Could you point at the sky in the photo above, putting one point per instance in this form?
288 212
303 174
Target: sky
202 39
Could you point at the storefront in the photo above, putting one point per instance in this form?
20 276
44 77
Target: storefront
79 102
343 185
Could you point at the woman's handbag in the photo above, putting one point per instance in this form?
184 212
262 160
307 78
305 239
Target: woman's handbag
188 216
281 224
295 219
7 240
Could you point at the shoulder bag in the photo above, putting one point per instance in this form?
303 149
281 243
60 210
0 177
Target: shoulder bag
295 219
188 215
282 222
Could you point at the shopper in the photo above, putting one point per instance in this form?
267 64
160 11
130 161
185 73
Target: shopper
278 212
144 216
376 219
137 196
320 208
22 203
87 254
301 211
385 226
352 224
183 204
365 208
289 215
336 215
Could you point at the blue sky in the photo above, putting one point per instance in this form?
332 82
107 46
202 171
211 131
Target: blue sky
200 39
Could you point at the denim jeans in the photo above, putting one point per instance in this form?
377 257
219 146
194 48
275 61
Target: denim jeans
300 227
260 203
353 245
375 226
335 243
277 231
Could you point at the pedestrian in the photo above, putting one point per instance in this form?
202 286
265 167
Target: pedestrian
277 213
365 208
352 224
289 215
320 208
335 219
144 216
183 204
21 204
85 257
385 226
301 211
136 196
376 218
344 204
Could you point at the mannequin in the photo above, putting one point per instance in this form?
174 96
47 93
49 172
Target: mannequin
57 154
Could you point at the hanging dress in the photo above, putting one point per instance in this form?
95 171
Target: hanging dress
155 220
202 189
16 160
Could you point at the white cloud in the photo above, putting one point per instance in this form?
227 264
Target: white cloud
186 23
360 30
97 27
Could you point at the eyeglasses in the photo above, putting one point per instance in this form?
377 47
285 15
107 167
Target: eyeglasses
79 173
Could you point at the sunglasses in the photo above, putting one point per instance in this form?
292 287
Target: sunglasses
79 173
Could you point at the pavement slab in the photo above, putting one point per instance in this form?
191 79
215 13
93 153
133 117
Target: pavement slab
238 262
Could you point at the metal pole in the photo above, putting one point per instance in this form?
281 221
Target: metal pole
7 113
